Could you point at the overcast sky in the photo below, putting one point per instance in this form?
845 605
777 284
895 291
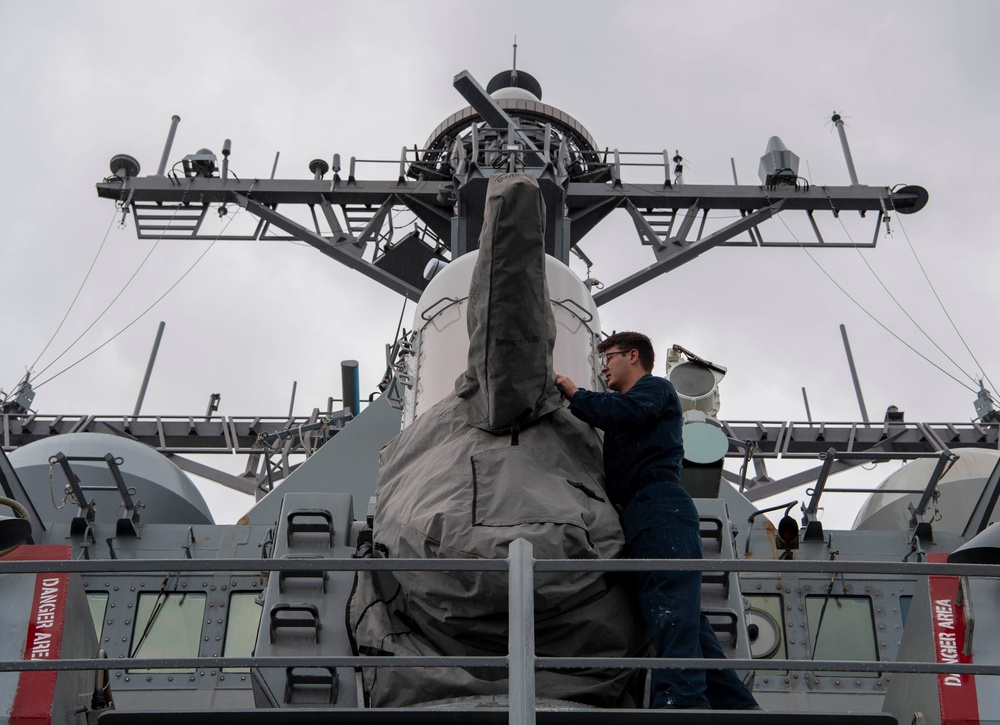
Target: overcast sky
916 82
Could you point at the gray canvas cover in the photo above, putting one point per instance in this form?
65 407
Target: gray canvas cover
500 459
510 380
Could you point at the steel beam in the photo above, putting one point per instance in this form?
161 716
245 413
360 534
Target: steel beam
333 251
213 474
674 254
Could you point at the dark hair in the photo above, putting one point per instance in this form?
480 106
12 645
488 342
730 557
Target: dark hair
632 341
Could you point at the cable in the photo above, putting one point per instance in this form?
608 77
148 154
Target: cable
155 303
125 287
943 309
875 319
78 291
899 304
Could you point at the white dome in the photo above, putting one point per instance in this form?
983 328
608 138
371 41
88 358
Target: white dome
961 488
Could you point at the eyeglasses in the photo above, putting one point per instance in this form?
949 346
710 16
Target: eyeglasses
607 356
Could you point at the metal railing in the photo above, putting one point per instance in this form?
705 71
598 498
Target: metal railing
521 659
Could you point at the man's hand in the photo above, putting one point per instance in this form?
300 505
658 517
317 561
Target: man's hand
566 386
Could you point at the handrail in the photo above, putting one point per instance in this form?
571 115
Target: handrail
521 661
799 566
673 663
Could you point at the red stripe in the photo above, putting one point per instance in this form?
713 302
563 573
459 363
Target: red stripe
956 693
36 690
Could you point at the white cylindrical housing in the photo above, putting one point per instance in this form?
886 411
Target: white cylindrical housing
441 344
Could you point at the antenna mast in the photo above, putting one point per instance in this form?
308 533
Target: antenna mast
513 66
839 123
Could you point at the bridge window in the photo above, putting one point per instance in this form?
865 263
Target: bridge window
241 627
98 602
168 625
842 628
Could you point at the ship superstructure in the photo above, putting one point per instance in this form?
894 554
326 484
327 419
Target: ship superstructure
242 621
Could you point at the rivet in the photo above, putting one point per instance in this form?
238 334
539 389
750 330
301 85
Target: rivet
116 588
244 678
149 678
106 639
191 678
224 587
128 622
131 589
112 605
118 674
219 621
213 588
212 673
127 679
170 678
130 605
142 585
107 584
222 677
124 639
206 639
216 639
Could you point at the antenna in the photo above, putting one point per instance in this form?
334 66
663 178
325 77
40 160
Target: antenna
854 374
839 123
513 67
162 169
149 369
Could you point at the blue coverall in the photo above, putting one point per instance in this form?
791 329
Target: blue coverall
643 455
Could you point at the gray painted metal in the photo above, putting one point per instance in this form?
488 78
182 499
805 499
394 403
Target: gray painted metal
446 199
300 535
891 567
12 487
676 663
521 658
347 464
237 434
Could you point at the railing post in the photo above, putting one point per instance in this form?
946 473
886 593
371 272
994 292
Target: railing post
521 646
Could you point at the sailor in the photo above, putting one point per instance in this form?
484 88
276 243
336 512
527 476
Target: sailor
643 454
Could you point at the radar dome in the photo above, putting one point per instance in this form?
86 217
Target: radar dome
167 494
961 488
